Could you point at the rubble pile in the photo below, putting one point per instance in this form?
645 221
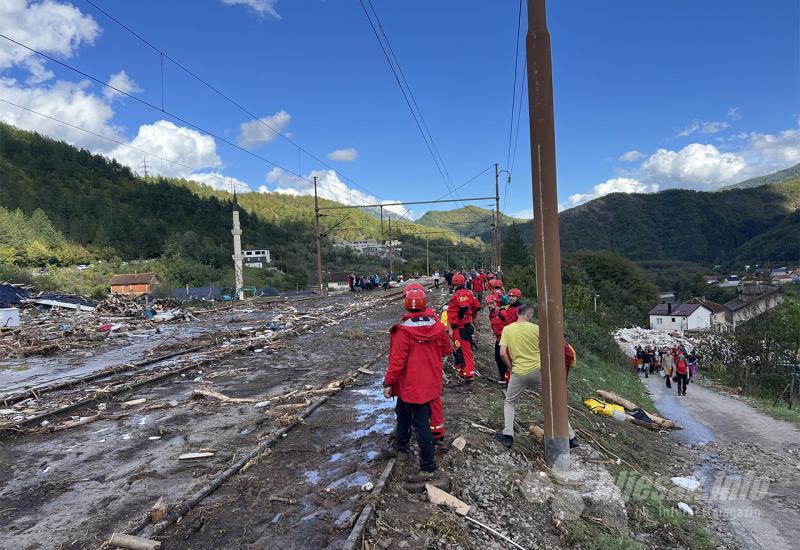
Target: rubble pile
629 338
121 305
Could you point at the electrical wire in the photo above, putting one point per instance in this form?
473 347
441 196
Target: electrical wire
217 91
406 97
514 89
168 113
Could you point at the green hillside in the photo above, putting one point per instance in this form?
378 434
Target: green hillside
707 228
470 221
770 179
100 209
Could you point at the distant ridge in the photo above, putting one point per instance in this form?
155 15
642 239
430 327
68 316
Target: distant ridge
769 179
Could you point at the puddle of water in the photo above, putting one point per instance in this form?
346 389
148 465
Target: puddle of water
372 402
343 518
356 479
336 457
669 405
312 477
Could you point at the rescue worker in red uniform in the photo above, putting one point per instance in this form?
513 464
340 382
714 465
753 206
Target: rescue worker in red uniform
511 313
478 286
460 312
416 347
493 303
497 287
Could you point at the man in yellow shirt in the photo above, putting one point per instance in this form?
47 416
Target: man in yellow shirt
519 350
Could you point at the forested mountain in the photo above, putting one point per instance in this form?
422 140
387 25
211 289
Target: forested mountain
755 225
770 179
99 208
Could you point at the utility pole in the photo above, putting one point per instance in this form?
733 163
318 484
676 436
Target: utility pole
318 238
547 251
144 167
497 216
381 221
391 257
237 251
427 258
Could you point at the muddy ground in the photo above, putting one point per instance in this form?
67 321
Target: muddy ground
73 488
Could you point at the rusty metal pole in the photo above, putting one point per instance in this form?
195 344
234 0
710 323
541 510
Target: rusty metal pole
318 238
546 236
497 216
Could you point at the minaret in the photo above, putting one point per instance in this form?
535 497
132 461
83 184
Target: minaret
237 248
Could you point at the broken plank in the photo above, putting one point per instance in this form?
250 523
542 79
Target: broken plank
437 496
222 397
133 543
193 456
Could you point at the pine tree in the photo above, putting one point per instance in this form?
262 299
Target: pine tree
515 253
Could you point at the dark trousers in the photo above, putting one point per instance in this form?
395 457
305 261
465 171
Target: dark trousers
501 367
418 416
683 381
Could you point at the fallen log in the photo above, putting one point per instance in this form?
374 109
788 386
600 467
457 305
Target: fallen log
133 543
222 397
663 423
649 425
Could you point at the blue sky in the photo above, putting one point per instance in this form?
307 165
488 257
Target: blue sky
649 95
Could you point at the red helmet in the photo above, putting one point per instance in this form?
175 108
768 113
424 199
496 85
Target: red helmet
497 282
492 299
515 292
459 279
415 299
413 286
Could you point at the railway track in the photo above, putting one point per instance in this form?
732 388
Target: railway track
117 380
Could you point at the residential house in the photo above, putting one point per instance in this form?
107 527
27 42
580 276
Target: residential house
730 280
680 318
256 258
752 301
717 311
339 280
133 284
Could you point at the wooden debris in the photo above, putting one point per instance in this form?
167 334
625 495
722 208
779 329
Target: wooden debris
133 543
193 456
459 443
133 402
437 496
663 423
275 498
482 429
74 423
221 397
158 511
365 370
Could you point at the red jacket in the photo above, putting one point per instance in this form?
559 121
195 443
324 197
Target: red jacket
681 367
477 284
416 347
511 313
497 323
463 305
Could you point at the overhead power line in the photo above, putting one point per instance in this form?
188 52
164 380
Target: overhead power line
164 55
514 89
407 95
166 112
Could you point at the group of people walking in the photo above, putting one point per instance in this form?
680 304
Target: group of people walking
370 281
675 364
420 342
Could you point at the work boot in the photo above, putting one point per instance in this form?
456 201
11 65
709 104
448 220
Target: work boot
502 382
440 446
424 476
506 440
390 450
573 443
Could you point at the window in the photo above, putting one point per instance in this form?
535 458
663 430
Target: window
659 320
673 319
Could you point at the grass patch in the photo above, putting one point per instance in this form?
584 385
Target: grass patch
779 411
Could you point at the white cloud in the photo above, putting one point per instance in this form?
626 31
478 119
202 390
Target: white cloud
774 151
122 82
163 139
329 186
260 131
704 127
695 166
67 101
262 8
51 27
614 185
631 156
344 155
733 113
219 182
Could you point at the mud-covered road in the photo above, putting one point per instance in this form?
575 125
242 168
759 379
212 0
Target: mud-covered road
749 463
75 487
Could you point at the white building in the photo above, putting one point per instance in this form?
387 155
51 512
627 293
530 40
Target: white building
256 258
680 318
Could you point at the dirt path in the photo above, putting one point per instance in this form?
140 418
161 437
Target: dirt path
749 463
